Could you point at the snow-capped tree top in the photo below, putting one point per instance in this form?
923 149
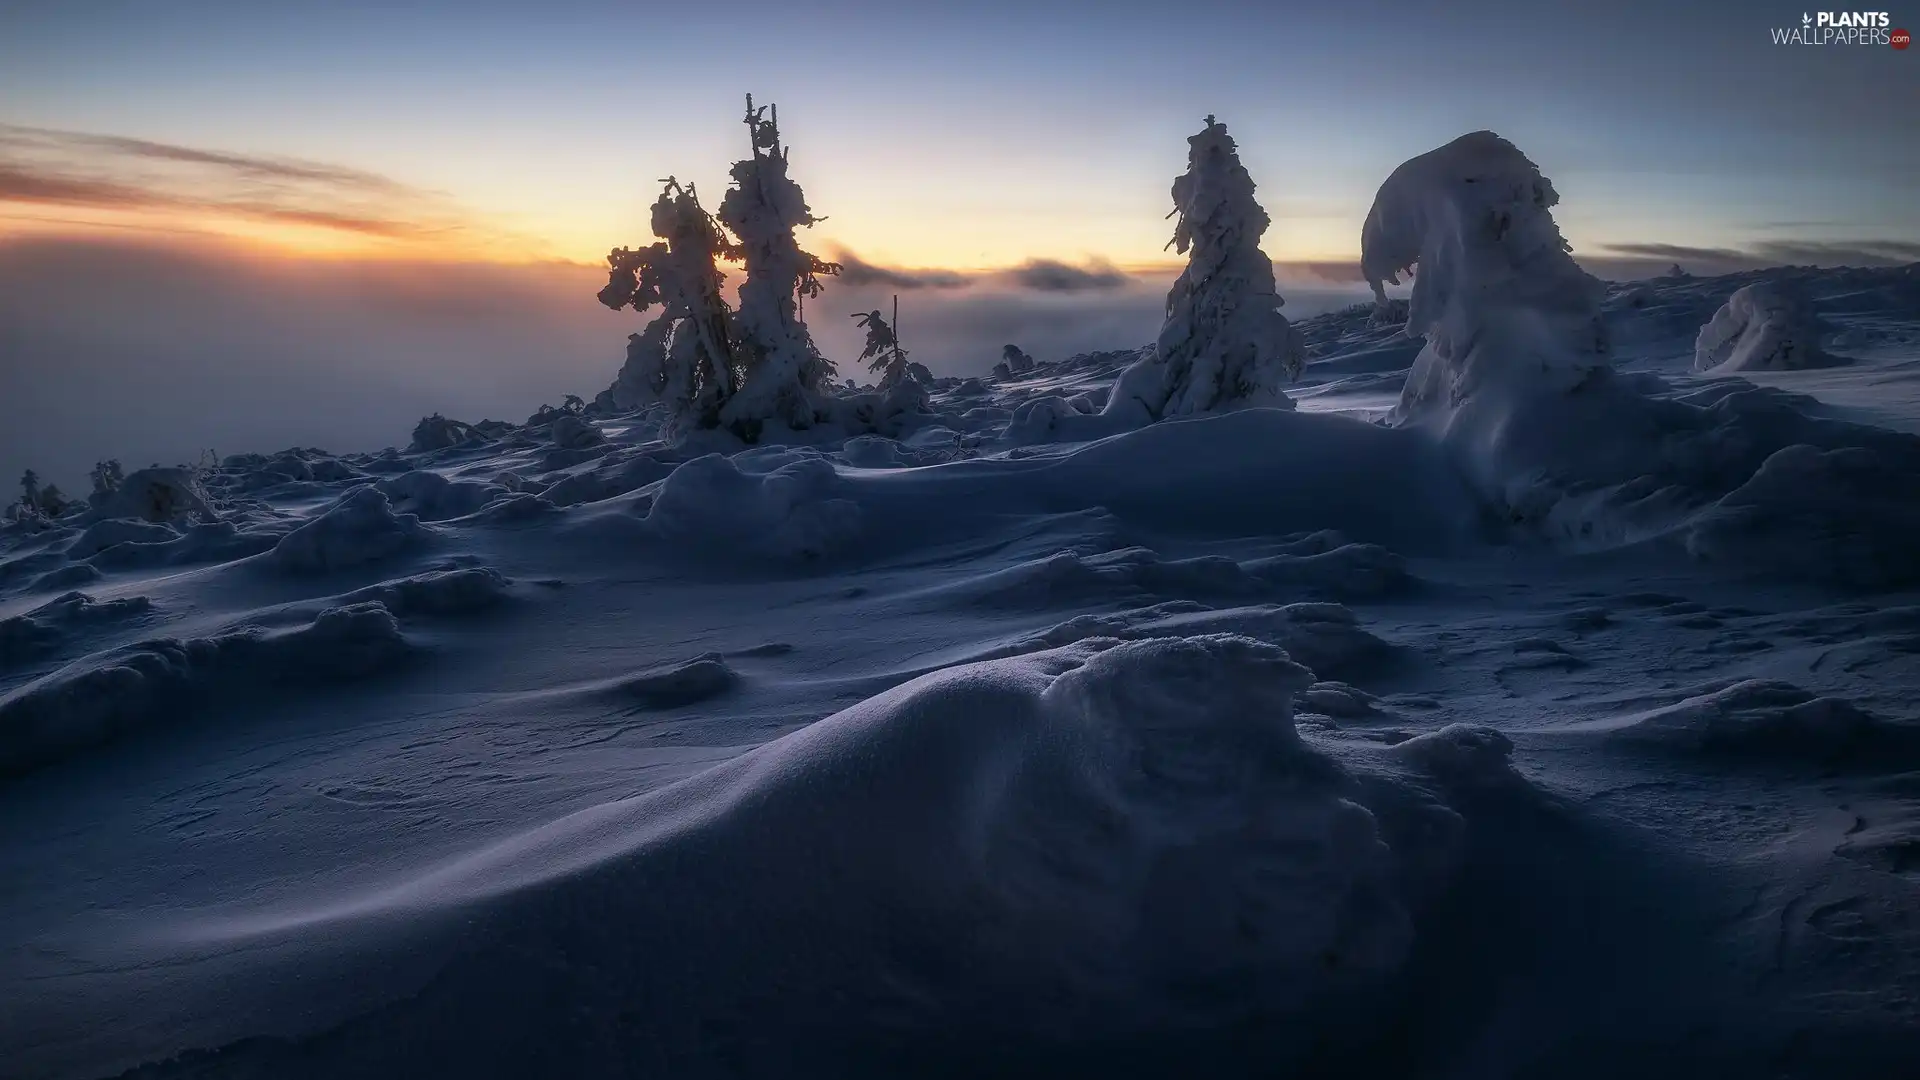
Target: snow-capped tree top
1214 197
1473 215
1496 293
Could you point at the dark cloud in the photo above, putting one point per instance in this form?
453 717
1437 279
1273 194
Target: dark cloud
857 272
113 173
1626 261
1048 275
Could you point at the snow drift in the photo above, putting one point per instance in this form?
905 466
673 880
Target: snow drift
1002 859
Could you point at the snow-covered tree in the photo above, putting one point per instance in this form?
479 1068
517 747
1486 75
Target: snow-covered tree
686 356
1497 295
106 476
784 373
1761 327
883 354
1224 343
30 489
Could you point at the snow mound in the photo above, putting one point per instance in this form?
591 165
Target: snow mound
674 685
1326 638
102 535
1777 722
156 495
159 682
440 592
1846 516
1761 327
359 527
794 513
1462 754
38 632
1068 849
432 497
570 432
206 541
607 481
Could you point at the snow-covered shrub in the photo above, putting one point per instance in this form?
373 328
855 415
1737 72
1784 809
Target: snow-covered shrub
1224 343
436 432
1761 327
1499 299
1016 359
784 372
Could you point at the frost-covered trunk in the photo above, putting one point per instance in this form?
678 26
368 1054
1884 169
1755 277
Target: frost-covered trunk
785 375
1224 343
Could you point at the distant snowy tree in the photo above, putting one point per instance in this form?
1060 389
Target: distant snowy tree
1224 343
1498 297
883 354
686 357
783 371
106 476
1016 360
30 489
52 502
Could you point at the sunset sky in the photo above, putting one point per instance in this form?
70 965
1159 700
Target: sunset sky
245 225
978 137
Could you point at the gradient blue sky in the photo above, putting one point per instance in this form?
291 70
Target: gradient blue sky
992 132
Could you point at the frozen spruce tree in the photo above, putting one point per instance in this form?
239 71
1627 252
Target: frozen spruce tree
1224 343
785 376
686 357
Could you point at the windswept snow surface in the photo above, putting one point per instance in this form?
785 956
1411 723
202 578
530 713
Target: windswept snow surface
1018 741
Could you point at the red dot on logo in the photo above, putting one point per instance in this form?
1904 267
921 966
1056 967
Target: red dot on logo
1901 39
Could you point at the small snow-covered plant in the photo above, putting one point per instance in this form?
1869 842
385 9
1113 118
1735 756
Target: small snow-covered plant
1224 343
883 353
30 489
1501 302
107 476
783 370
686 357
1016 359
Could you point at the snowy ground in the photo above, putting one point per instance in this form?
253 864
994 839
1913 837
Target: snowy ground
968 753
